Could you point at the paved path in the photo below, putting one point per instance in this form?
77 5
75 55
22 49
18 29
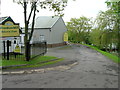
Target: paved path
93 71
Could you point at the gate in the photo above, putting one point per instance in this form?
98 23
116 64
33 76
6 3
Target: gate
38 48
11 51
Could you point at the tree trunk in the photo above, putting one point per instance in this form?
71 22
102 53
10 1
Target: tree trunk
100 38
27 39
118 25
33 22
26 30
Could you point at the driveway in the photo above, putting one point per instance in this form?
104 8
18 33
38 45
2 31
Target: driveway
92 71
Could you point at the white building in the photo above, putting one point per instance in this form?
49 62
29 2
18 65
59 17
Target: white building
51 29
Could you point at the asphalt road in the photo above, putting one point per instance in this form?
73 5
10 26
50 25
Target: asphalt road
92 71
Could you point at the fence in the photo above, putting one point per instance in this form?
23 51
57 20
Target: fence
38 48
9 53
15 52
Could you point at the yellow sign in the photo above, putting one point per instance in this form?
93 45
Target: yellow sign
9 30
17 49
65 36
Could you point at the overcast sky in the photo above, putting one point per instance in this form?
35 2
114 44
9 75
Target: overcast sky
74 9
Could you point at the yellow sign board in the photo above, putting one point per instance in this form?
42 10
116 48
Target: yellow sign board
17 49
65 36
9 30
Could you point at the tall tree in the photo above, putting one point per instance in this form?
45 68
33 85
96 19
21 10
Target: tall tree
79 29
105 24
115 6
55 5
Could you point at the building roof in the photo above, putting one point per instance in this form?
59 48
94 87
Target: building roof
45 21
2 19
7 18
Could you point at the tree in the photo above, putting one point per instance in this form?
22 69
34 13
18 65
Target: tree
105 26
55 5
79 29
115 6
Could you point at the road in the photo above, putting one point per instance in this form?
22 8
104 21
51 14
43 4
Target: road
92 71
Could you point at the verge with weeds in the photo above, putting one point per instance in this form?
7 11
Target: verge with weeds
115 58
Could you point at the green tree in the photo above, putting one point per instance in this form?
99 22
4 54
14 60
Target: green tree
115 6
79 29
55 5
105 26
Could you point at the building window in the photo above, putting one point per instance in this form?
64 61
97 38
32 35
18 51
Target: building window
42 38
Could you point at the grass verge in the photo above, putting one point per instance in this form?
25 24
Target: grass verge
36 62
115 58
36 65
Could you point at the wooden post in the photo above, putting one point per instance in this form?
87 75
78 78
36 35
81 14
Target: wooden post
28 51
7 49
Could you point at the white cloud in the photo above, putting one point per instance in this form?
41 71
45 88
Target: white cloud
77 8
88 8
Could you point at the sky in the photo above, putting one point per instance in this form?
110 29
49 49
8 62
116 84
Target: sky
74 9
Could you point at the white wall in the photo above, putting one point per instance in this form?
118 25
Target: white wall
54 36
38 32
57 31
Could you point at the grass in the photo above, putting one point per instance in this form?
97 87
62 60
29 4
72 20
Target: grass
36 65
12 57
32 63
115 58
